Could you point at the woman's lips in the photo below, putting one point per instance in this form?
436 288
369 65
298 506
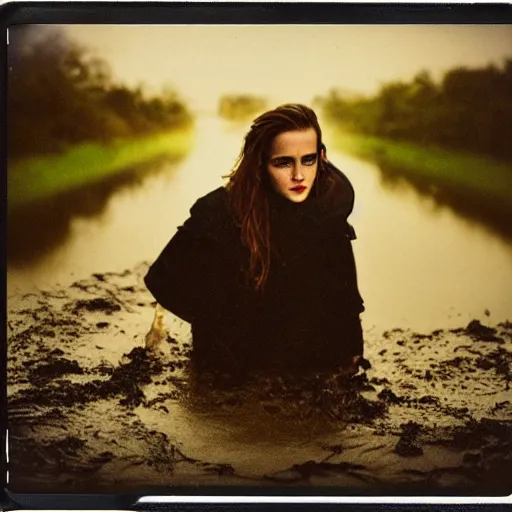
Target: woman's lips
298 189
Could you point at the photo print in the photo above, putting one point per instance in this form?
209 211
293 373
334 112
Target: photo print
117 132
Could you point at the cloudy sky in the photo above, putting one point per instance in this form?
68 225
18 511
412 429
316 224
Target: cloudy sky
287 63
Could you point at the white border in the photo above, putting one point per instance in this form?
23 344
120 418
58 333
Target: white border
430 500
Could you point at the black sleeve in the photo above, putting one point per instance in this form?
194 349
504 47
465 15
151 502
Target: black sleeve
352 328
179 278
353 339
355 296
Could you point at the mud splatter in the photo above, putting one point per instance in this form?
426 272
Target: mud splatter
90 409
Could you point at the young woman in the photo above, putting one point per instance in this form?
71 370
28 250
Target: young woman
263 268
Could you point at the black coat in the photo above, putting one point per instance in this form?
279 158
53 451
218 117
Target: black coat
307 316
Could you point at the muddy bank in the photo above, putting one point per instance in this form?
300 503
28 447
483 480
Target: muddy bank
90 410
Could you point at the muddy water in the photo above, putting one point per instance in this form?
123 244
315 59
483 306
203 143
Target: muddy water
420 265
89 409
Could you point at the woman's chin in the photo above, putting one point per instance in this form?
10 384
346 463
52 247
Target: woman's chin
297 198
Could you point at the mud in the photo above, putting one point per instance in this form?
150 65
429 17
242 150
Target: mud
91 410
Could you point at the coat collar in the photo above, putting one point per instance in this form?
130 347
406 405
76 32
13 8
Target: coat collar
336 203
211 214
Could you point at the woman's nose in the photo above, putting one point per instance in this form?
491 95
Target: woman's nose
298 174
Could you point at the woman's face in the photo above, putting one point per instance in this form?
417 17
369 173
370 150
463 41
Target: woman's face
293 164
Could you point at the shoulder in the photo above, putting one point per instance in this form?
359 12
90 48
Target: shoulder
210 213
338 204
215 202
338 201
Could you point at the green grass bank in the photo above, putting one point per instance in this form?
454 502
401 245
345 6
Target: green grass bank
474 175
43 177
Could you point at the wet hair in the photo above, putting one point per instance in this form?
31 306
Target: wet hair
249 182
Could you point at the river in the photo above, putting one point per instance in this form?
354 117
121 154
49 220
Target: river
420 265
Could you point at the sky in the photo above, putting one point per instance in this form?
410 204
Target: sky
286 63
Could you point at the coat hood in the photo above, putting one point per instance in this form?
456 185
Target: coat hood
338 201
326 210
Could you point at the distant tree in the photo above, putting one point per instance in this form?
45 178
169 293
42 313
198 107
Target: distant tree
241 106
471 109
60 95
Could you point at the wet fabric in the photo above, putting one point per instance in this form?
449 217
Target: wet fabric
307 316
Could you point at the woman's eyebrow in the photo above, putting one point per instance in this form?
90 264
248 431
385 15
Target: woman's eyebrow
288 158
283 157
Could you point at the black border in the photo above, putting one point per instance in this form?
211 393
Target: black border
3 255
148 13
207 13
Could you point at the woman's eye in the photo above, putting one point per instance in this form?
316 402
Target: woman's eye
310 160
281 165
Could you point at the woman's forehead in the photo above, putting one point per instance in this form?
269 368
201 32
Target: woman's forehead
296 142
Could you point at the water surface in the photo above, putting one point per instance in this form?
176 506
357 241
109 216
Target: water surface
421 266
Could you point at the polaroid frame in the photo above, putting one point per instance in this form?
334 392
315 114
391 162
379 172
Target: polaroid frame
218 14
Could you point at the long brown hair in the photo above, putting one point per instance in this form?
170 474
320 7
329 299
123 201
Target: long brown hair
248 182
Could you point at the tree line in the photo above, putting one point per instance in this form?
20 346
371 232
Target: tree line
469 110
240 107
59 96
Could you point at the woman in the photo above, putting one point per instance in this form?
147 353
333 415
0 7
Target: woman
263 269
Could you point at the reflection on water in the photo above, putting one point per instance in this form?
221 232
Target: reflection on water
420 264
37 230
137 221
494 214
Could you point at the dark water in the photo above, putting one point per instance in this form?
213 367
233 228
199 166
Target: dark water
91 411
36 231
421 264
494 214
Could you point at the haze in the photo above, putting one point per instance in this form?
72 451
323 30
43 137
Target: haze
286 63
